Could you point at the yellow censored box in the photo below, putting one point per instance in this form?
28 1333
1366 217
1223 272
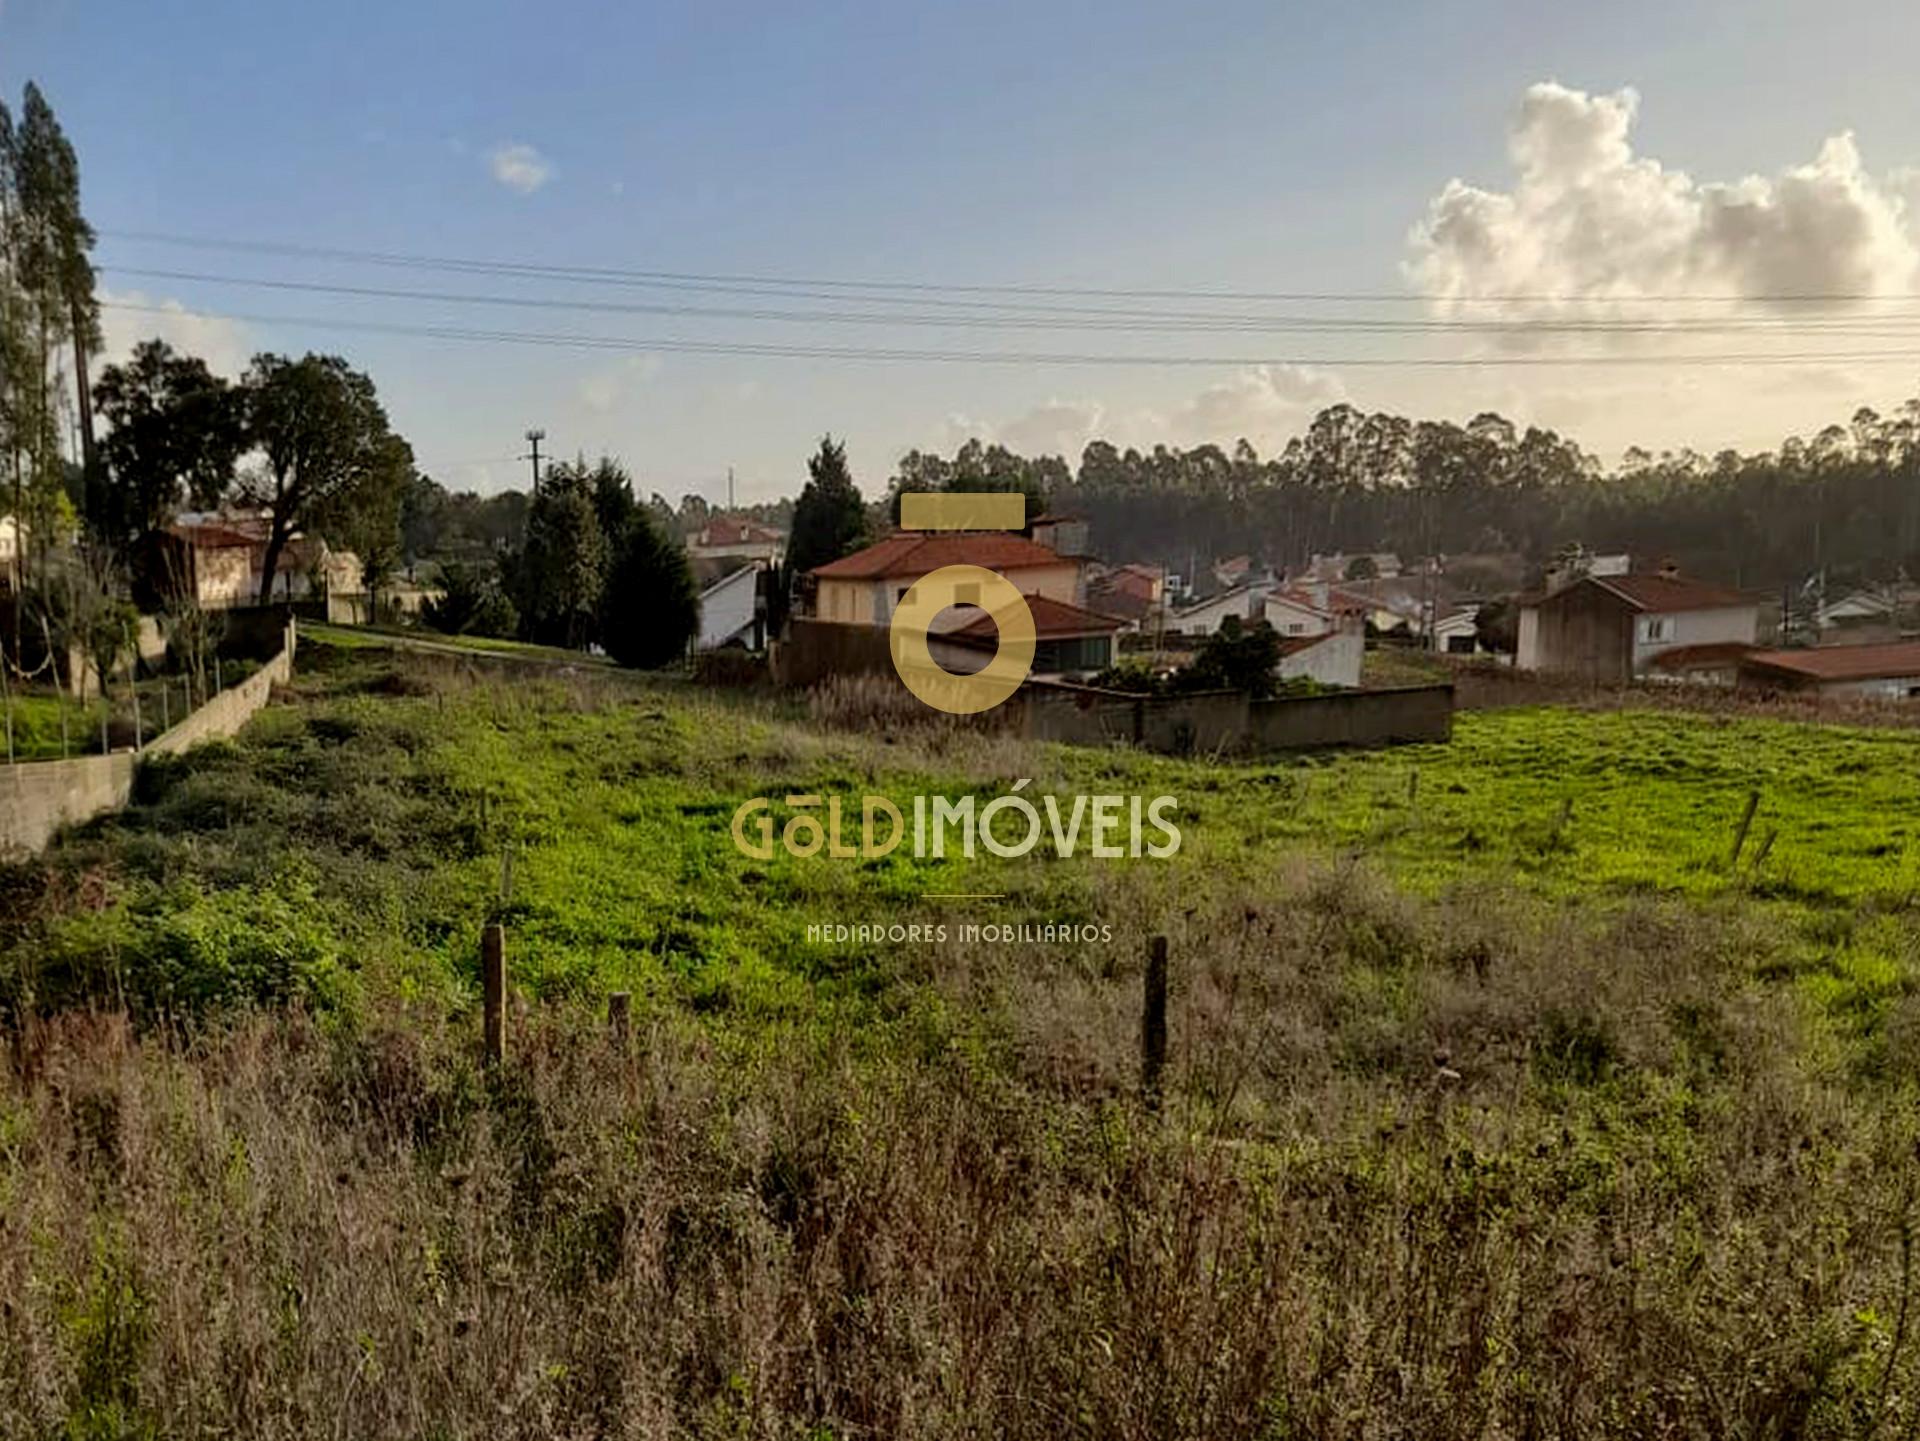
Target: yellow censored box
964 510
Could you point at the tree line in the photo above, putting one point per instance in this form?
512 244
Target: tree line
1845 502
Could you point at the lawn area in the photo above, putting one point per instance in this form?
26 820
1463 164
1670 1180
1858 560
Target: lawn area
1499 1099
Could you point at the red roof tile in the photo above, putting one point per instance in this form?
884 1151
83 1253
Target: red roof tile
1661 593
1841 662
1686 657
1052 619
917 553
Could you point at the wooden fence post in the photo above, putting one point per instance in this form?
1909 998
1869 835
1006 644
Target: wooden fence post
493 981
619 1018
1153 1024
1746 822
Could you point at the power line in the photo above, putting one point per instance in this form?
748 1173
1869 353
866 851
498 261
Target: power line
622 275
675 345
1166 323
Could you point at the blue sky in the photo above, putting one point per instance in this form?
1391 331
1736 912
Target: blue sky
1271 147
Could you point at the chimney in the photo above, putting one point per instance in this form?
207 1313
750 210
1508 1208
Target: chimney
1670 568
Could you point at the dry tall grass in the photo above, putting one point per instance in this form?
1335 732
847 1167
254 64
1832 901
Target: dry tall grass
1438 1169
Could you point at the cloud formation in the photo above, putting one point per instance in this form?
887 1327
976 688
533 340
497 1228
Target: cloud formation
1263 404
602 391
1589 217
224 344
519 167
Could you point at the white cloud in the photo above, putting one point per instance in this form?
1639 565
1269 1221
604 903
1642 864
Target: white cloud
519 167
1587 217
607 389
1264 404
224 344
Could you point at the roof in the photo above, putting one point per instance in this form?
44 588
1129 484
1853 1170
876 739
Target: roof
1660 593
916 553
1300 600
1125 604
210 535
1695 657
732 577
1294 644
1841 662
1052 620
737 530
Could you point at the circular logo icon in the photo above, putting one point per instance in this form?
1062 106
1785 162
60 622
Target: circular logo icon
912 622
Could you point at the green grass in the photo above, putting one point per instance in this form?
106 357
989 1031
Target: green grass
370 637
1484 1114
37 717
398 817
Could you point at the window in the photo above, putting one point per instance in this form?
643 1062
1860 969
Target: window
1459 645
1656 627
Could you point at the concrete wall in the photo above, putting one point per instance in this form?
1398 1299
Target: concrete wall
39 797
1353 718
1226 721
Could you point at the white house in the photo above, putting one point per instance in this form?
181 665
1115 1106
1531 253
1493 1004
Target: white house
1610 628
728 537
1331 658
1838 672
1244 603
1291 612
1458 632
12 543
730 612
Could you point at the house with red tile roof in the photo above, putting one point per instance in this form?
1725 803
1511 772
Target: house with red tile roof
1068 639
1613 628
727 537
1889 671
865 588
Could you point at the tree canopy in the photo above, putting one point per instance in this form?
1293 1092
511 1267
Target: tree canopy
829 518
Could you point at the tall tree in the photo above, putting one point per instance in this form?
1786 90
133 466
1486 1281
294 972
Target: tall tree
559 573
54 259
650 607
830 518
321 428
175 430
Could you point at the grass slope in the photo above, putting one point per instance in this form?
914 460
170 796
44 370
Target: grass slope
1479 1120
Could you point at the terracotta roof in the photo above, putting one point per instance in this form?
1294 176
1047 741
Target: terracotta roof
728 530
917 552
1122 603
1052 619
1687 657
1669 592
209 535
1292 644
1841 662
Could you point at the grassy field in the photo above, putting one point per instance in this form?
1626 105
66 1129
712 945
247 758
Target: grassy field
1502 1100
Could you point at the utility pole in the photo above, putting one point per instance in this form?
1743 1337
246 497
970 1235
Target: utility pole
534 437
729 490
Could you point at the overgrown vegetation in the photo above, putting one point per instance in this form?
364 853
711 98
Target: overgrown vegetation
1503 1100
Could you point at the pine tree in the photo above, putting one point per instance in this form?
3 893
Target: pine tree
650 608
830 518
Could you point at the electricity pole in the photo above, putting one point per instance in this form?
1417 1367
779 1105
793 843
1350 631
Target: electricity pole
729 490
534 437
